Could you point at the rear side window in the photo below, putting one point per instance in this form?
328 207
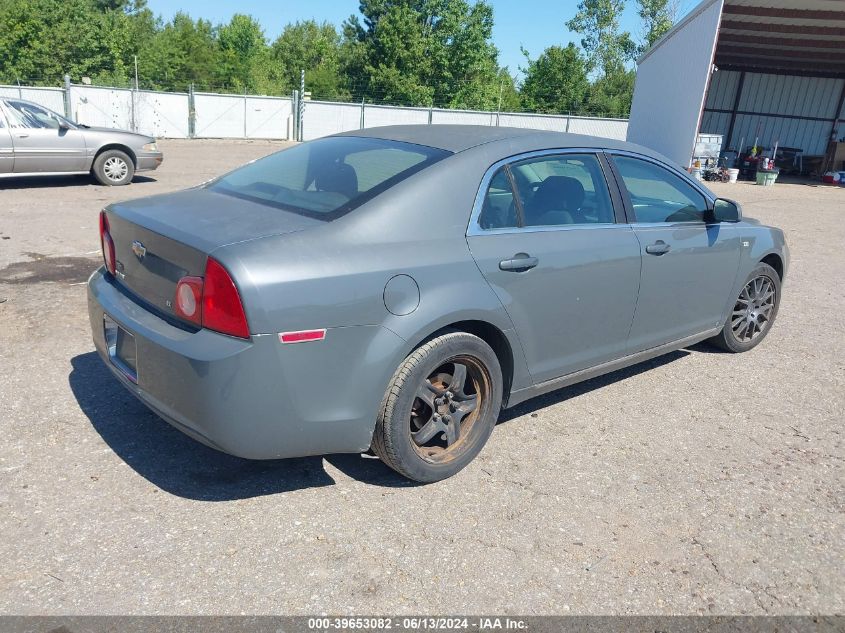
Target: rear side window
499 208
328 177
659 195
563 190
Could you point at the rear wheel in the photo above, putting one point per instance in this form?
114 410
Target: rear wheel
113 167
753 313
440 408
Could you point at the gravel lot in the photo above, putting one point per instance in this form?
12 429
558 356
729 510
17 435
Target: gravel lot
701 482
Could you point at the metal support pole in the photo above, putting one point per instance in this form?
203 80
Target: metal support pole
245 115
499 106
301 110
132 103
430 114
134 98
66 95
192 113
295 114
362 112
737 97
20 92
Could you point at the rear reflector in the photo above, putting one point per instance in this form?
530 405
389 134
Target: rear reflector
303 336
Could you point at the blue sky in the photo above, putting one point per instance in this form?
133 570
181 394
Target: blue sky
534 24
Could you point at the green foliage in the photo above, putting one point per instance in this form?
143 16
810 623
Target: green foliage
612 94
423 52
607 48
657 17
314 48
556 81
413 52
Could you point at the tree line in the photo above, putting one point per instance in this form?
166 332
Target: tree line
402 52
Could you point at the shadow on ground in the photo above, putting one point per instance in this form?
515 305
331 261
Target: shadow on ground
567 393
183 467
46 182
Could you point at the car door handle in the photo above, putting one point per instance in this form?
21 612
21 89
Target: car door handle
23 135
658 248
519 263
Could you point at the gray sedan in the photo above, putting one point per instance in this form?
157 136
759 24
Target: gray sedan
35 141
392 289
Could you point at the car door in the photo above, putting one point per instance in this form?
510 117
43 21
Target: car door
688 265
545 235
44 141
7 150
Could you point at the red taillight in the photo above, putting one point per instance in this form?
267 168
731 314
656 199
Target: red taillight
212 301
188 303
107 243
222 309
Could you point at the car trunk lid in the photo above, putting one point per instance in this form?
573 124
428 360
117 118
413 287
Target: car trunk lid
160 239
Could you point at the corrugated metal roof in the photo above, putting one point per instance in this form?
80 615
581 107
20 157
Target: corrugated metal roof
805 36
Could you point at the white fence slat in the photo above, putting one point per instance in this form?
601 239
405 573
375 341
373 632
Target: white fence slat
323 119
161 114
52 98
267 117
378 116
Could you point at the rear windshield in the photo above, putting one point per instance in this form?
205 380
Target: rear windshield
328 177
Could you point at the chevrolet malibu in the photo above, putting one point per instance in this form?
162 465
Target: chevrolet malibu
393 289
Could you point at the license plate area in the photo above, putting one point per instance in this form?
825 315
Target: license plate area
123 352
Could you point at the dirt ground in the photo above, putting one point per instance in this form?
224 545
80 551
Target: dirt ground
700 482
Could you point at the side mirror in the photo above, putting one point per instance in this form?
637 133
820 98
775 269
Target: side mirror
63 125
726 211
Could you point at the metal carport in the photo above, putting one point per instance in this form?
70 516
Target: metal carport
773 70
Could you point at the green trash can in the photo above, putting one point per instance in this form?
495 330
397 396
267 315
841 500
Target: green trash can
767 177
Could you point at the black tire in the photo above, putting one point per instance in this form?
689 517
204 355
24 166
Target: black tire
113 168
463 434
732 341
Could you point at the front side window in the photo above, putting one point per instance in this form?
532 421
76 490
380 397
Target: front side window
27 115
659 195
329 177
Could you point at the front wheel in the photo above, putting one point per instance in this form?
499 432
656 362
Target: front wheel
440 407
113 168
753 313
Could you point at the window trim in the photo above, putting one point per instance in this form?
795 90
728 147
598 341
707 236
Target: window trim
475 229
630 214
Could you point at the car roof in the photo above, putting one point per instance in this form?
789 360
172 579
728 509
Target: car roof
459 138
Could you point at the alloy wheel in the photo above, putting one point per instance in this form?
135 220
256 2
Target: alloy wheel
753 310
447 407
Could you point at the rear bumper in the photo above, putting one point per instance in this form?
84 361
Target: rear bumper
147 161
255 398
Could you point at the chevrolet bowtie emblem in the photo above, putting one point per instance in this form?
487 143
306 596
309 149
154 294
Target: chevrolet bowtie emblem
139 249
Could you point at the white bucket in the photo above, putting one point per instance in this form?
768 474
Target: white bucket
733 174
